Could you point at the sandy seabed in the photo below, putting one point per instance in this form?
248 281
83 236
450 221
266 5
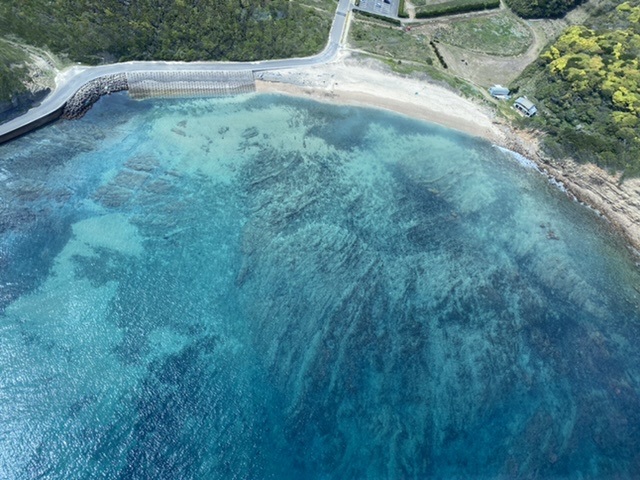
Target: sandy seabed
360 82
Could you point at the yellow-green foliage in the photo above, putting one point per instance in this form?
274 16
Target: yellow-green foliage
588 88
606 62
632 11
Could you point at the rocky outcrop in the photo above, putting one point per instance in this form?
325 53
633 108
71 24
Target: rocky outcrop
90 93
615 199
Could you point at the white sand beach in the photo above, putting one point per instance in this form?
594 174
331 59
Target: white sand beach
365 82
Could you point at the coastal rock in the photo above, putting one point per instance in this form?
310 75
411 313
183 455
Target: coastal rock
90 93
617 200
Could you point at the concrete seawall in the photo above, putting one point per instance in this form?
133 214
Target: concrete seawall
190 84
53 106
143 84
24 129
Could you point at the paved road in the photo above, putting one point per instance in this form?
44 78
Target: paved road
82 75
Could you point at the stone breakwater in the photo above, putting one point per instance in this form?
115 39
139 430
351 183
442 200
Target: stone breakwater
90 93
160 84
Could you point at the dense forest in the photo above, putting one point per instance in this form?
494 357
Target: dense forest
95 31
542 8
588 85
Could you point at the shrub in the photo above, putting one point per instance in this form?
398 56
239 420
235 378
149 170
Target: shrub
455 6
542 8
393 21
588 87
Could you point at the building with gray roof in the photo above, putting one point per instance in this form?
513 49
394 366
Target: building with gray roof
525 106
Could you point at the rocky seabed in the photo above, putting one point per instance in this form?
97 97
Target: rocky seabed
617 200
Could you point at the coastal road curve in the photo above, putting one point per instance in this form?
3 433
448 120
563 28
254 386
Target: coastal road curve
79 76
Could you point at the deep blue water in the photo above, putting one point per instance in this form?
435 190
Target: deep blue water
266 287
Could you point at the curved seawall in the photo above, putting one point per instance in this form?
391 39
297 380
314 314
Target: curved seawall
90 93
52 107
28 127
142 84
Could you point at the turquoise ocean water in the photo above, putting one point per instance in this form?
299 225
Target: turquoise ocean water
267 287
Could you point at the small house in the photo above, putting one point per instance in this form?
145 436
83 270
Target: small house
526 106
500 92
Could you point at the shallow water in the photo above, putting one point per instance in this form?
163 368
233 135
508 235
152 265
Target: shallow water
266 287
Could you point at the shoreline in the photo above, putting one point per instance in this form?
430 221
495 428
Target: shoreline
354 82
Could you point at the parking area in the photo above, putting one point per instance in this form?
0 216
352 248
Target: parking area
388 8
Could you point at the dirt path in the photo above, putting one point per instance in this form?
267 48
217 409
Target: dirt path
43 66
410 9
485 70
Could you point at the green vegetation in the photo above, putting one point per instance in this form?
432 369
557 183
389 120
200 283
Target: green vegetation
500 34
406 53
588 85
402 13
393 43
542 8
454 6
94 31
435 74
382 18
13 70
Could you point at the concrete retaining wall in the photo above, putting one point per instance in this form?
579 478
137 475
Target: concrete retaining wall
142 85
189 84
26 128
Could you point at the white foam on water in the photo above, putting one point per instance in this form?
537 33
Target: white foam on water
521 159
530 164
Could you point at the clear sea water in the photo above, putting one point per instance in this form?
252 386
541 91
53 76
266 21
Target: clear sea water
268 287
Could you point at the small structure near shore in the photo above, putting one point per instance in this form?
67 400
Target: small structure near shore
500 92
525 106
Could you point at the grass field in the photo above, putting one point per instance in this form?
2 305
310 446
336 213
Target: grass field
407 53
501 34
392 42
